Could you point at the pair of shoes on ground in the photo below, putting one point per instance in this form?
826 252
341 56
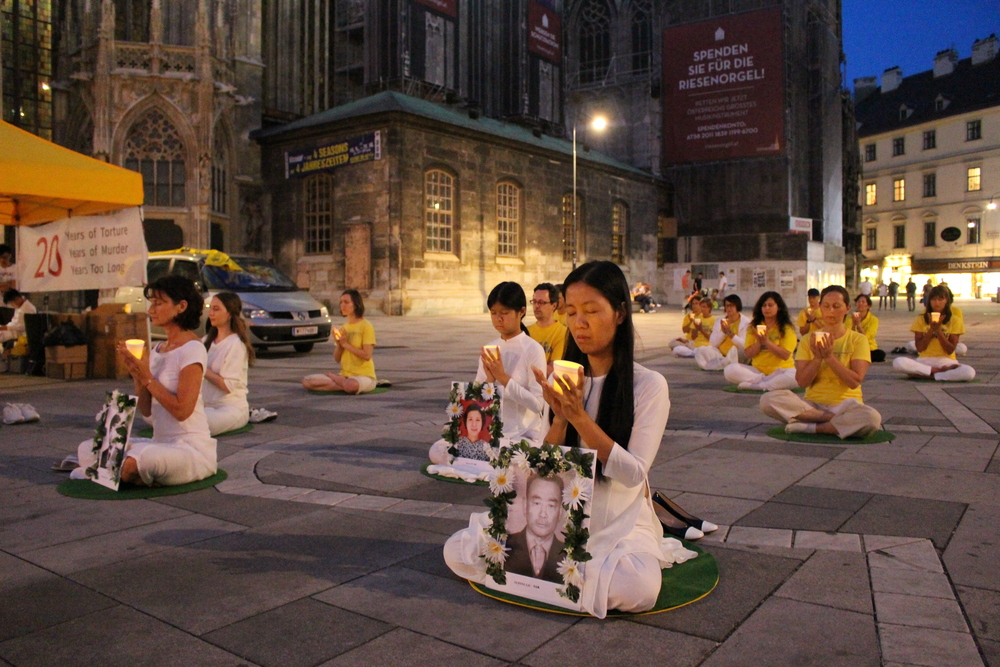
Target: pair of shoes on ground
19 413
259 415
68 464
900 350
679 523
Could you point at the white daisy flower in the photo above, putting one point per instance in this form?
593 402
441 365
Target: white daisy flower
577 492
501 481
496 551
488 391
454 410
519 461
571 572
491 452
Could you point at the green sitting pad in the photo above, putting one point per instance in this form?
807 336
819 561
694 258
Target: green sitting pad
147 432
376 390
927 379
829 439
734 389
84 488
453 480
683 584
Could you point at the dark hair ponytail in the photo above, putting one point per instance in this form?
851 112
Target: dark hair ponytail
509 295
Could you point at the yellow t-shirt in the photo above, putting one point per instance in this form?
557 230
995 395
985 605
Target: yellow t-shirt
827 388
560 318
552 339
766 361
956 312
956 325
685 323
706 323
800 321
359 334
870 325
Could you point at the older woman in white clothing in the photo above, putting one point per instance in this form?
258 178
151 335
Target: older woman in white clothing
229 356
619 409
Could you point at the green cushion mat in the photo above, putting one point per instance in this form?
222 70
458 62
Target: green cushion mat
453 480
682 584
84 488
828 439
915 379
147 432
734 389
376 390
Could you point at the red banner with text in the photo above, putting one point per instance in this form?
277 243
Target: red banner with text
544 32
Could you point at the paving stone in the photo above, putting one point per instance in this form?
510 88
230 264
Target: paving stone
914 556
418 507
785 632
833 499
611 643
877 542
974 550
911 517
911 582
983 609
763 537
448 610
302 633
370 502
717 509
328 498
402 647
920 612
745 580
991 650
805 539
244 510
114 637
923 646
459 512
831 579
796 517
41 602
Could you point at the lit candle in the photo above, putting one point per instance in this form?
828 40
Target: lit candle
761 330
493 351
935 317
135 346
569 371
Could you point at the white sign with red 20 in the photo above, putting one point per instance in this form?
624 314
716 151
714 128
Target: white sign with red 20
88 252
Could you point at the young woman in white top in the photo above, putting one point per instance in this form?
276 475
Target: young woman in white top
728 338
229 357
619 409
168 384
521 401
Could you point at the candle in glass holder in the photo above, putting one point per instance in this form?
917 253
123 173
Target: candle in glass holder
935 317
696 321
569 371
337 333
820 336
493 351
761 330
135 347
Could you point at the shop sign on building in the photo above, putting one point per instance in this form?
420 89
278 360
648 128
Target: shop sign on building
327 157
447 7
955 265
544 32
800 225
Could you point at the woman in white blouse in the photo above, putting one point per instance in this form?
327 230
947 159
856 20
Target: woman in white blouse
229 356
619 409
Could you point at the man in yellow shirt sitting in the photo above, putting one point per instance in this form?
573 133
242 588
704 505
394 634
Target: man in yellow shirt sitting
546 331
807 322
560 314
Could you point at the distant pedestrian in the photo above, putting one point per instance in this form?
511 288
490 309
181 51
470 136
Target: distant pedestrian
865 287
686 281
723 284
697 283
911 294
883 292
893 292
927 290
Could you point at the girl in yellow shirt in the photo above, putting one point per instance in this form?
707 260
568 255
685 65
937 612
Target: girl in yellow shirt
865 323
699 328
355 343
935 335
831 365
770 354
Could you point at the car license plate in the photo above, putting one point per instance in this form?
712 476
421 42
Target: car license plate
305 331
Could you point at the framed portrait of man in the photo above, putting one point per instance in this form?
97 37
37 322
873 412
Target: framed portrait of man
114 425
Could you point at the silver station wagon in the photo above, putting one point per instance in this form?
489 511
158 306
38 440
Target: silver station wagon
278 311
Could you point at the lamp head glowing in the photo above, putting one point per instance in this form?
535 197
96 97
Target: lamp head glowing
992 206
972 224
599 123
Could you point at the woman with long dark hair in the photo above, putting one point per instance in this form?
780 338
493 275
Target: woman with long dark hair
935 335
770 342
619 409
229 357
354 345
866 324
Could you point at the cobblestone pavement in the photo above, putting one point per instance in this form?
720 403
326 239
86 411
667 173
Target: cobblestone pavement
324 545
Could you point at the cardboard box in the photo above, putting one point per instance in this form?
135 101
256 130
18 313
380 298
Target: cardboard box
61 354
105 331
77 371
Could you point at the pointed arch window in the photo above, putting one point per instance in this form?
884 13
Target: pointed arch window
642 35
154 149
132 20
220 176
594 40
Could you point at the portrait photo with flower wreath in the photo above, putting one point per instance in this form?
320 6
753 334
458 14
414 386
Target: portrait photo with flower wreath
472 433
114 425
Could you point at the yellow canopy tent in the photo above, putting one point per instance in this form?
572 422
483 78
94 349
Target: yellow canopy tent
41 182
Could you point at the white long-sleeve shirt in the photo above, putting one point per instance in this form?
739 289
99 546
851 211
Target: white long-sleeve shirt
227 358
739 340
521 402
16 326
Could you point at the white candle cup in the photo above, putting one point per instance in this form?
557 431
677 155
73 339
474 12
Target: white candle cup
493 351
135 346
696 321
820 336
336 333
761 330
569 371
935 317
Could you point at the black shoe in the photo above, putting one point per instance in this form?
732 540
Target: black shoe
675 510
675 527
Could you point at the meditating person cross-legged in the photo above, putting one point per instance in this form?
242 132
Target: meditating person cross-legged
229 356
353 350
770 342
831 364
168 384
699 328
865 323
935 335
619 409
727 338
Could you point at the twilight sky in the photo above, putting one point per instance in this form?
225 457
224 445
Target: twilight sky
883 33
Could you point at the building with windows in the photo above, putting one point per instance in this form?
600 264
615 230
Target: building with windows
930 145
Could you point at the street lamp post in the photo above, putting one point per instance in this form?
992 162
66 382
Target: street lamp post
598 123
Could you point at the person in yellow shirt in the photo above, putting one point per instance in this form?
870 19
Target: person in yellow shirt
548 333
956 317
560 314
771 364
699 328
683 340
935 336
831 365
354 346
865 323
807 320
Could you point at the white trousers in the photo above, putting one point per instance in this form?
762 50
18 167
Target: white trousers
781 378
227 417
850 419
922 366
163 464
684 351
709 358
678 341
961 349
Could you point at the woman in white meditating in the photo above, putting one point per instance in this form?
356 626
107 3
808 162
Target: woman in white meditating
521 401
619 409
229 356
168 384
831 364
354 345
770 343
935 335
727 338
